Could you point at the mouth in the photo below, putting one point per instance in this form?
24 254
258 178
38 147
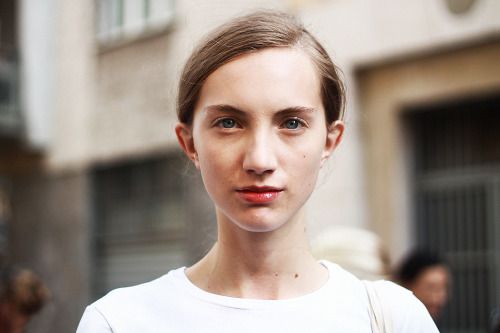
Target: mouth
259 194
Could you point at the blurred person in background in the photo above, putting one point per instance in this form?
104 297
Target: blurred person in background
22 294
357 250
428 277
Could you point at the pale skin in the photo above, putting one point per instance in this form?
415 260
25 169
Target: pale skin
259 138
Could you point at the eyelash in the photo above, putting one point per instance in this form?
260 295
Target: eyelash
300 121
218 122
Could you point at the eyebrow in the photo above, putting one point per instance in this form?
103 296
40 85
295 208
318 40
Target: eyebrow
231 109
223 108
296 109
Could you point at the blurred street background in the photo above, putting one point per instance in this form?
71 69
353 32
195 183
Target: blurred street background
95 193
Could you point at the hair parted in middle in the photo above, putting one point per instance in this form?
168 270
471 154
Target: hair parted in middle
250 33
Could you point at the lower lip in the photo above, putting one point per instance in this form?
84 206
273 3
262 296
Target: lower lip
259 197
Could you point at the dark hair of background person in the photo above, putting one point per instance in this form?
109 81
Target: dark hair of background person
415 264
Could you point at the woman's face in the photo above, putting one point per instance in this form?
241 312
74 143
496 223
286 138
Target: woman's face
259 137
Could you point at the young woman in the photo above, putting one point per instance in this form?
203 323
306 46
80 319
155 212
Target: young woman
259 109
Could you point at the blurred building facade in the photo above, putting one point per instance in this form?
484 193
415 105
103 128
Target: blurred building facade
95 194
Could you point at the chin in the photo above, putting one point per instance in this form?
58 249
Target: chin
259 224
259 228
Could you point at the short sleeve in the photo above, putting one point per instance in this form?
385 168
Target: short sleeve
409 314
93 322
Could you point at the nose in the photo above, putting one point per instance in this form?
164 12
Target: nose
260 157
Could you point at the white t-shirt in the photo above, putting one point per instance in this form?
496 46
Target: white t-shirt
172 303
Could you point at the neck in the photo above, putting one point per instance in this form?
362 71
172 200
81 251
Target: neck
260 265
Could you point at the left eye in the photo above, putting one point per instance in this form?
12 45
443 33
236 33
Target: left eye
292 124
227 123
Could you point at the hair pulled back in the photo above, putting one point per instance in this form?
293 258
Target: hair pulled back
250 33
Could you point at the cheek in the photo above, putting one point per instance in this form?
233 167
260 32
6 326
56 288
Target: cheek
312 152
306 164
214 164
208 159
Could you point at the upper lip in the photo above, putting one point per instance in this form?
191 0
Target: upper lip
259 189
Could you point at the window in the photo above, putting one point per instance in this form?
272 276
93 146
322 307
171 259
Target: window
457 183
128 19
150 216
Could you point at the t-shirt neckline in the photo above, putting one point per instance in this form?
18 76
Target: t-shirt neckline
249 303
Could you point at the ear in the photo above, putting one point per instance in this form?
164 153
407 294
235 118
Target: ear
185 137
333 137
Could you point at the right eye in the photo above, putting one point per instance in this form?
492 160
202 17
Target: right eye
227 123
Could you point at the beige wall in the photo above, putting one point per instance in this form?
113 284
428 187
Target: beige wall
134 113
75 78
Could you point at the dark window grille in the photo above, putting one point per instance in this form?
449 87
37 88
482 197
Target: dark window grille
142 221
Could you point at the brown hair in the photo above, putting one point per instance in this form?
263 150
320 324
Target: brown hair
250 33
24 289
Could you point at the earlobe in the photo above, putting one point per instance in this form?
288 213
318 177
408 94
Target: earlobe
333 137
185 136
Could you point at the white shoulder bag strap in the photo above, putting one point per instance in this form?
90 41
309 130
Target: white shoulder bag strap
379 309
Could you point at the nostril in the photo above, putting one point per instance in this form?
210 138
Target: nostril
260 158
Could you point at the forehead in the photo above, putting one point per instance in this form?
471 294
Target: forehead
276 60
275 77
436 273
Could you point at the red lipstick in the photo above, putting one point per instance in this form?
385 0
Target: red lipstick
259 195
